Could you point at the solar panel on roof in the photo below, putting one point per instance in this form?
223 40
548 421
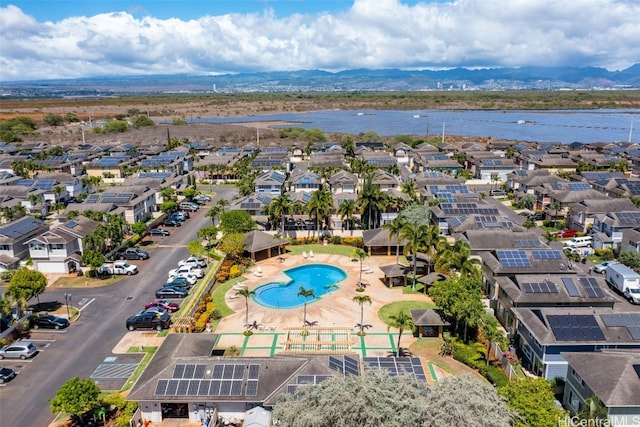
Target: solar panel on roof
572 289
183 386
172 387
236 388
583 327
579 186
634 331
193 388
591 287
252 388
217 372
546 254
225 388
527 243
254 372
188 371
396 365
178 370
540 288
351 366
513 258
628 218
161 387
214 388
637 369
203 389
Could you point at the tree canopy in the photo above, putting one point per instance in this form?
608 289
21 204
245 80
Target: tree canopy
533 400
232 244
378 399
76 397
27 284
236 221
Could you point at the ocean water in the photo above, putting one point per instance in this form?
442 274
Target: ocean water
565 126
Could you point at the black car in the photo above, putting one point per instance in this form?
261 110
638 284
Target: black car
171 292
171 223
148 319
6 374
49 321
537 216
159 232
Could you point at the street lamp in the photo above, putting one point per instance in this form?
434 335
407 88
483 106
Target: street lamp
67 299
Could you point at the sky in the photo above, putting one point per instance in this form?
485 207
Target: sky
53 39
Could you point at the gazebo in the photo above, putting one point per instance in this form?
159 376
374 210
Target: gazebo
429 322
260 245
395 274
422 260
378 242
430 278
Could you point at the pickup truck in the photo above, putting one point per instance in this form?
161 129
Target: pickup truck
120 267
133 253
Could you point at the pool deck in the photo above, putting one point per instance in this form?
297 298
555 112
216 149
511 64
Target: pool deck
335 309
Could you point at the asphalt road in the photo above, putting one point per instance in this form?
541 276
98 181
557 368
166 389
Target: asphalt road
78 350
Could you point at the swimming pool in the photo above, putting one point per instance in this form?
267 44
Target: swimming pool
321 278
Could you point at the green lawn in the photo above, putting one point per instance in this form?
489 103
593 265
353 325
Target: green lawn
218 293
321 249
396 307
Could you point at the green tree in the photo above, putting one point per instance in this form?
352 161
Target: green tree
233 244
169 206
319 206
306 293
409 187
189 193
246 293
76 397
361 300
195 248
346 210
28 283
417 214
594 410
208 233
556 207
533 400
141 121
93 259
279 207
629 258
415 241
458 259
140 228
373 400
400 321
359 254
394 228
53 119
528 223
529 200
115 126
236 221
460 299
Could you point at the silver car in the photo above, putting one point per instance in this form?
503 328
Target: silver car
18 350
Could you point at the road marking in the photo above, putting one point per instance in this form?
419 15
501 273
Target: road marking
87 304
42 340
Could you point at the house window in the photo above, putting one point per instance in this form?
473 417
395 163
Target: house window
5 247
56 246
37 246
574 401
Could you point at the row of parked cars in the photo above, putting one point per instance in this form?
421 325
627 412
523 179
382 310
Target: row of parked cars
157 314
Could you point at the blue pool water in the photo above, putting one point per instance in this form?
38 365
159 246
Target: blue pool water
319 277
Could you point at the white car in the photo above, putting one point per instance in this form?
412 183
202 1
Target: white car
187 270
191 278
193 262
600 268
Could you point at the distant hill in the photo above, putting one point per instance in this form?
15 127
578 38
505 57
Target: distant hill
524 78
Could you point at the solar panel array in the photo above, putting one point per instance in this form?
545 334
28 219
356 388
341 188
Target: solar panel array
591 287
397 366
579 186
154 175
557 186
226 380
347 365
546 254
631 321
513 258
456 221
540 288
628 218
637 369
308 380
467 209
21 227
572 289
633 187
527 243
491 221
582 327
492 162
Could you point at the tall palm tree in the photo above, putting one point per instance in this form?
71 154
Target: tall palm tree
281 206
246 293
371 201
306 293
394 228
414 237
360 254
432 238
319 207
409 187
401 321
58 190
222 203
458 259
555 206
361 299
213 213
346 210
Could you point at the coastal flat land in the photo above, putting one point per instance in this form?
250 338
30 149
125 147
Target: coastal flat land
192 106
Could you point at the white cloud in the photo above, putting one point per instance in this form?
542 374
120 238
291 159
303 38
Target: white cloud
371 34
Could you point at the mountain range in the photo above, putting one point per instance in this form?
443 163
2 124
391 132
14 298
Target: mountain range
522 78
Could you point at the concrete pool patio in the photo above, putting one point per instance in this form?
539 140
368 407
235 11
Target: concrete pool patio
333 310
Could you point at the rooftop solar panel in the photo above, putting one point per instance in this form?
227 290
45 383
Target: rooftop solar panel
591 287
540 288
252 388
513 258
194 386
571 287
161 387
546 254
583 327
527 243
579 186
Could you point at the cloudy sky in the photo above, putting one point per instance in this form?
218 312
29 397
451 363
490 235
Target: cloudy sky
45 39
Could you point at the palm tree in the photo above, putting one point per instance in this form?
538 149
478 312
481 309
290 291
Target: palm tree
371 201
401 321
246 293
319 206
58 190
409 187
361 299
394 228
34 200
528 200
213 213
414 237
305 293
281 206
458 258
346 210
222 203
555 206
360 254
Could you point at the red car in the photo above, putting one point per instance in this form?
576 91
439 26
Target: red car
167 305
567 233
